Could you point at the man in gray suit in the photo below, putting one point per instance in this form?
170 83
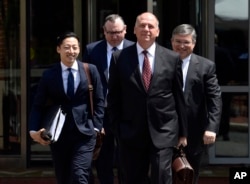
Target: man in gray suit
99 53
202 95
148 116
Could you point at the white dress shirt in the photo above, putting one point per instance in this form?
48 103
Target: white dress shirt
185 64
110 51
151 56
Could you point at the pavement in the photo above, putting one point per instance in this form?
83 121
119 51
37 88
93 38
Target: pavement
43 173
209 175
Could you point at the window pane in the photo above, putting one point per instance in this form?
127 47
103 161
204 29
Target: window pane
48 19
233 136
10 135
231 39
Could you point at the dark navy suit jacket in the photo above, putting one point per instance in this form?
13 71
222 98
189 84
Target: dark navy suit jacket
96 53
51 89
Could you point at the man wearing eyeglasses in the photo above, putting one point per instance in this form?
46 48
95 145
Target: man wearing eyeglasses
202 95
99 53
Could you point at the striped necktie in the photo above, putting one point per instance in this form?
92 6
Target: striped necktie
146 70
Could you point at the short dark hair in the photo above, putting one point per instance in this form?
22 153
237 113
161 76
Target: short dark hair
67 34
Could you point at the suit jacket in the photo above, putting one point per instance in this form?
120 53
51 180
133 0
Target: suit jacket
203 99
96 53
137 115
50 89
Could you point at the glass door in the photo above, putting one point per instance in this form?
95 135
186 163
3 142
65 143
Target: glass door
47 20
10 79
231 54
12 85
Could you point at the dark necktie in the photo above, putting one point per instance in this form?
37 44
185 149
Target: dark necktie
70 87
114 49
146 70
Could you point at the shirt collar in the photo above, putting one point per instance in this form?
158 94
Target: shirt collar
187 59
74 66
151 49
109 47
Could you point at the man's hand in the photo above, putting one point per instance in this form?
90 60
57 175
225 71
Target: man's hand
103 131
36 136
182 141
209 137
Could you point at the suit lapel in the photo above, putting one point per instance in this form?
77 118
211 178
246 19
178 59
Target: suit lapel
83 79
58 82
136 74
103 58
157 66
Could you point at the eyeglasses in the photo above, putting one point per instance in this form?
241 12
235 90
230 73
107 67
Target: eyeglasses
114 32
185 43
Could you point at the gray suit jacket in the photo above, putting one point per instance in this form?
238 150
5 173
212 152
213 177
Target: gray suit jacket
203 98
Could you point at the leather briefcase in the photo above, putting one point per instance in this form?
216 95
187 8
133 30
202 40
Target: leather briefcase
98 145
100 135
183 172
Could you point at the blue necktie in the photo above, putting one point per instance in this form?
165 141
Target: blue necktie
114 49
70 87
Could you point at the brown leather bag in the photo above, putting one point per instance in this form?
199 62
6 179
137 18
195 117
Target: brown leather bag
183 172
99 137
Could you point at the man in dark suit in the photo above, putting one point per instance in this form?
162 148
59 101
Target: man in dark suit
148 116
99 53
202 95
72 153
